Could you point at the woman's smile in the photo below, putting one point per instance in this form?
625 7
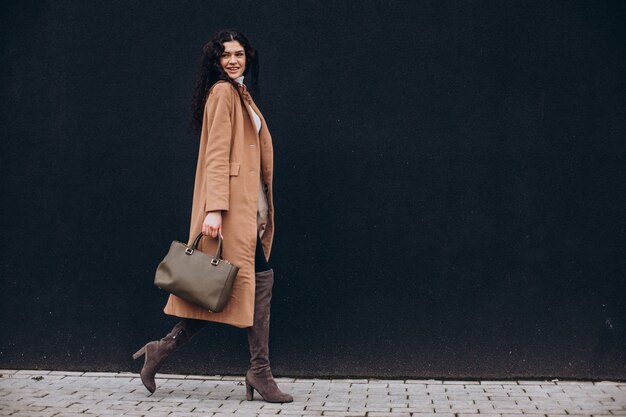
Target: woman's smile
233 59
232 70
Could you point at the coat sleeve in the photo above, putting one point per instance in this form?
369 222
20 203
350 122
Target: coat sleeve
217 156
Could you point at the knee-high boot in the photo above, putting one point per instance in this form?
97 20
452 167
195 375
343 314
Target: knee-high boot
259 377
156 352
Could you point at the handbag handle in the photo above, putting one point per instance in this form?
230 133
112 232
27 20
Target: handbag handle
194 246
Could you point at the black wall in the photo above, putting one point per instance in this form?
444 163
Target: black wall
449 184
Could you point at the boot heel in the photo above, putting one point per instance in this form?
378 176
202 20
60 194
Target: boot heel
249 391
139 353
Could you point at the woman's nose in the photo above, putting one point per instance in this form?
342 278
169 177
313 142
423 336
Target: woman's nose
232 59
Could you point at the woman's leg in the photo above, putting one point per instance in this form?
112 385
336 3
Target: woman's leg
260 263
156 352
259 376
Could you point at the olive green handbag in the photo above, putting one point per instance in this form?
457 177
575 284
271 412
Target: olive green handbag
195 276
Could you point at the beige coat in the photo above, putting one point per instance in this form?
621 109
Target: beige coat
230 158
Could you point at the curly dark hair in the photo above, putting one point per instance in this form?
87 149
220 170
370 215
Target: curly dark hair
210 71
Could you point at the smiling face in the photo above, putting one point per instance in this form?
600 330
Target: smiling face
233 59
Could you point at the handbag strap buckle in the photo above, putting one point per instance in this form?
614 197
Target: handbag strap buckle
215 262
188 251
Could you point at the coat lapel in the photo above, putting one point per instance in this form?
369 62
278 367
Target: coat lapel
251 117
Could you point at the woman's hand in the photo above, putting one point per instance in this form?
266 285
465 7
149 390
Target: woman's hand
212 224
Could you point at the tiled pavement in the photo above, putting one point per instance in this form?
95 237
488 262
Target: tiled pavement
68 394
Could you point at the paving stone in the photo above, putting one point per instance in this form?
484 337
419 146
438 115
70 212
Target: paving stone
61 393
30 372
451 382
502 382
474 415
525 415
532 382
374 409
560 415
434 415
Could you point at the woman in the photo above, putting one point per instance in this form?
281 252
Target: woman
233 197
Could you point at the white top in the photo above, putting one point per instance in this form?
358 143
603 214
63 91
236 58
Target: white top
257 119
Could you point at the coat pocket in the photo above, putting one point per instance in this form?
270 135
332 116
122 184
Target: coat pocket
234 169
